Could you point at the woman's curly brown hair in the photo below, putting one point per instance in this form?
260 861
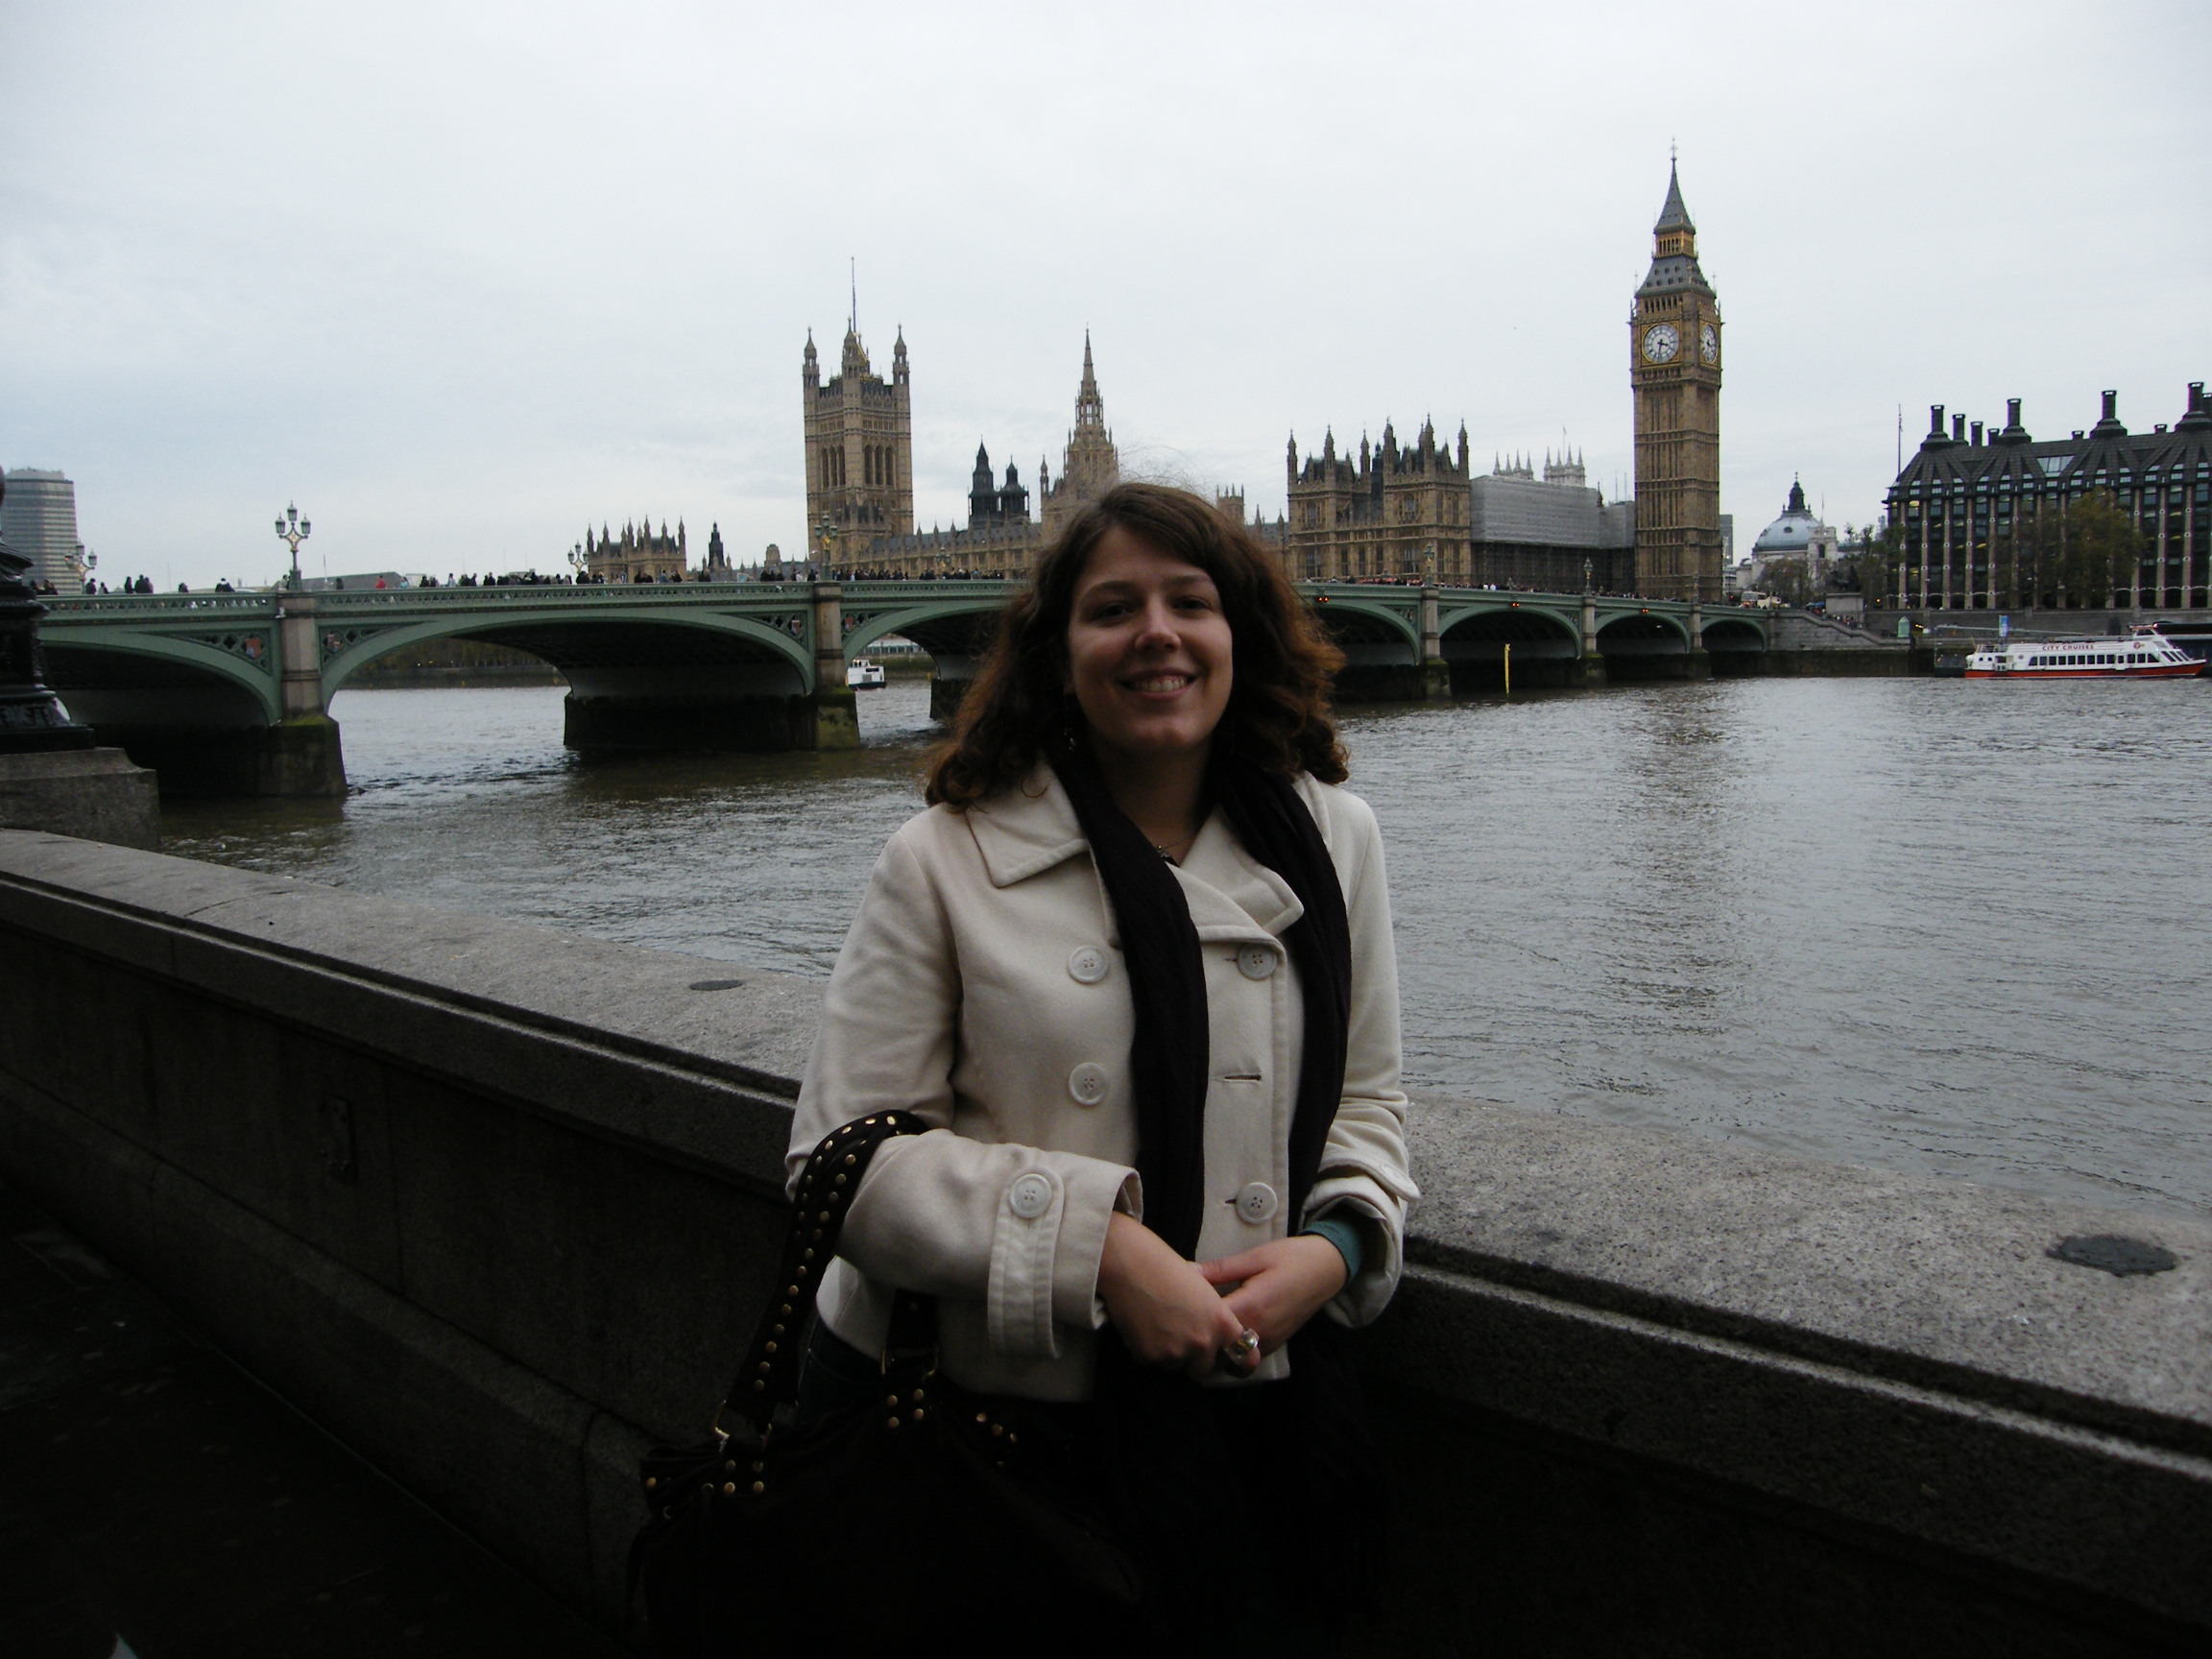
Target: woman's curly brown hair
1278 716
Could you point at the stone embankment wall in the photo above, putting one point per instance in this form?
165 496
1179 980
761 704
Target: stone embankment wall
2043 622
1805 644
496 1206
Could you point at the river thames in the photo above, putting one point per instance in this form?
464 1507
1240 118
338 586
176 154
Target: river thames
1942 927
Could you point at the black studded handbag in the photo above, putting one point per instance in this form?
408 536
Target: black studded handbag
927 1511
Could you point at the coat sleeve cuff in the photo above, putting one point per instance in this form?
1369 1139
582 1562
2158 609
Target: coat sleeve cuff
1046 1244
1356 1196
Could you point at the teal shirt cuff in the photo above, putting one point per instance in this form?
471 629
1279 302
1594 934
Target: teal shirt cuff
1342 1232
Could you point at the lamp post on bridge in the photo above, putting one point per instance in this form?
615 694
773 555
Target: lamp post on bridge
32 718
292 530
1591 670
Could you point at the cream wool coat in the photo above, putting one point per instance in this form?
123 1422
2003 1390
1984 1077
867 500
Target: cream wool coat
982 987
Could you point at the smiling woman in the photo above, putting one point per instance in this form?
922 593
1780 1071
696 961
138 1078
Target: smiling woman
1126 1004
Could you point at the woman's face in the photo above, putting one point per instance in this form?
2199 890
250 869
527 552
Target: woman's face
1149 651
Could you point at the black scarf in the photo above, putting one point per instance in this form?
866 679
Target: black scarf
1168 1056
1271 1484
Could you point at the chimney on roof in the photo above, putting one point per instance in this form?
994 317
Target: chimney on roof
2011 411
2197 415
1935 419
1958 428
2111 407
1977 434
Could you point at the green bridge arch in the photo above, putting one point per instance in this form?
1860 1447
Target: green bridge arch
1348 613
778 644
914 621
69 645
1453 613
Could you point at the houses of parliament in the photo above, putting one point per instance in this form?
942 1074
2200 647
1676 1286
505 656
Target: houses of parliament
1409 510
860 476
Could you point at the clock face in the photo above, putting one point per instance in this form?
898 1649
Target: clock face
1661 342
1709 344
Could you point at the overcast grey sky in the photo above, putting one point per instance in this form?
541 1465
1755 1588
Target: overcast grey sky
461 279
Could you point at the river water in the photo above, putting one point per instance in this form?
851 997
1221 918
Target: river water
1933 925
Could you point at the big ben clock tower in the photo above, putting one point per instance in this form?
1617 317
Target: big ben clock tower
1674 367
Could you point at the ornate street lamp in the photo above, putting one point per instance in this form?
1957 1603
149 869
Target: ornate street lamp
293 530
31 719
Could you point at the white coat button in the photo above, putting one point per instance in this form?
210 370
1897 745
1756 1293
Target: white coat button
1256 1202
1030 1196
1087 966
1088 1083
1256 961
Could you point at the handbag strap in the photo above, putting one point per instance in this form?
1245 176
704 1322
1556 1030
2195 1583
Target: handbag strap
769 1378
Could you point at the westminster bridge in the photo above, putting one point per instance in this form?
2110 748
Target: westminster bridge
230 693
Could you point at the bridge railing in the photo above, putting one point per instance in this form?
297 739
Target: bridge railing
154 605
916 592
657 594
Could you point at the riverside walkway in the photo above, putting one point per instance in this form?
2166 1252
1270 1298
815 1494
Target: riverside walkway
156 1501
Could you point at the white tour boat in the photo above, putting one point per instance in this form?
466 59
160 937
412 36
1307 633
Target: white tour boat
2144 654
862 675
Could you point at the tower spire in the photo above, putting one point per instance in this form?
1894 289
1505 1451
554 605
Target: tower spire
853 273
1673 216
1090 407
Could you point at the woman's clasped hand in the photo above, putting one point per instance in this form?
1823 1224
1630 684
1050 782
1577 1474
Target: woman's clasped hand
1189 1315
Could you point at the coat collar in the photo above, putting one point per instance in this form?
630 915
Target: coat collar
1028 829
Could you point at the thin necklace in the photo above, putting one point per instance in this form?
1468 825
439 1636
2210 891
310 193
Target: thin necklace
1166 849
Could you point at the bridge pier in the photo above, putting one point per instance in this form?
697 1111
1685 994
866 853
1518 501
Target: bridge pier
1698 665
299 758
1435 682
835 719
301 755
637 710
949 678
764 706
1589 669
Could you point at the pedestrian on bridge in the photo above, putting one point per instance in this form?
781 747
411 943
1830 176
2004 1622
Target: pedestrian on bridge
1133 970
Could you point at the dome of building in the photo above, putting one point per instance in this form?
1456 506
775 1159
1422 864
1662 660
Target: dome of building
1792 532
